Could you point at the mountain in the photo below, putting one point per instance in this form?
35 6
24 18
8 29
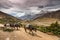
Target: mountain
5 18
30 12
30 17
46 19
55 14
34 12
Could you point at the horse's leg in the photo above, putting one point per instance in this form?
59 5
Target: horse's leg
35 30
17 28
30 31
14 28
25 29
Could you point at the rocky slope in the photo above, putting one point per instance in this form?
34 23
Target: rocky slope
5 18
55 15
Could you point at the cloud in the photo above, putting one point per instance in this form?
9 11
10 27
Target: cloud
18 1
14 12
27 3
15 7
5 4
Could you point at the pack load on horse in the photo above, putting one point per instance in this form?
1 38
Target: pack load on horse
30 28
13 25
17 25
7 25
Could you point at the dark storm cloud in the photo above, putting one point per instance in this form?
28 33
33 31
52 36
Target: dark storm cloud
54 2
27 3
5 4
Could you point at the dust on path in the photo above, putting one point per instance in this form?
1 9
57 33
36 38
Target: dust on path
22 35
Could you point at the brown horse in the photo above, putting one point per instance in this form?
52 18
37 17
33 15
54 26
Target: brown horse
30 28
13 25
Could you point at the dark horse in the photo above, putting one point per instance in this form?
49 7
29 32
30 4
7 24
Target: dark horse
13 25
30 28
17 26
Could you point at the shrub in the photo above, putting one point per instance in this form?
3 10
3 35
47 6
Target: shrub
8 30
53 28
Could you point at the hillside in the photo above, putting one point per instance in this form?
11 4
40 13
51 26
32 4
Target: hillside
5 18
55 14
47 18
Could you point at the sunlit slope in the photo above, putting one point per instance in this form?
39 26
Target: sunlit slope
5 18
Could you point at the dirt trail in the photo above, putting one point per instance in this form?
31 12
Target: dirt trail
22 35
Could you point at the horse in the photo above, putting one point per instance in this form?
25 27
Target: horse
17 26
12 25
6 25
30 28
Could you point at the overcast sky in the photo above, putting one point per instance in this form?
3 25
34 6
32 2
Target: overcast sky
26 3
15 5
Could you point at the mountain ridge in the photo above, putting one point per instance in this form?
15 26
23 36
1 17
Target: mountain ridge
6 18
55 14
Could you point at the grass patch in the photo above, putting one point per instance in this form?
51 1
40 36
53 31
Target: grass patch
54 29
8 30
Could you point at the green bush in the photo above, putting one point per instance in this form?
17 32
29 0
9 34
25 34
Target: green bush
43 29
53 28
8 30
